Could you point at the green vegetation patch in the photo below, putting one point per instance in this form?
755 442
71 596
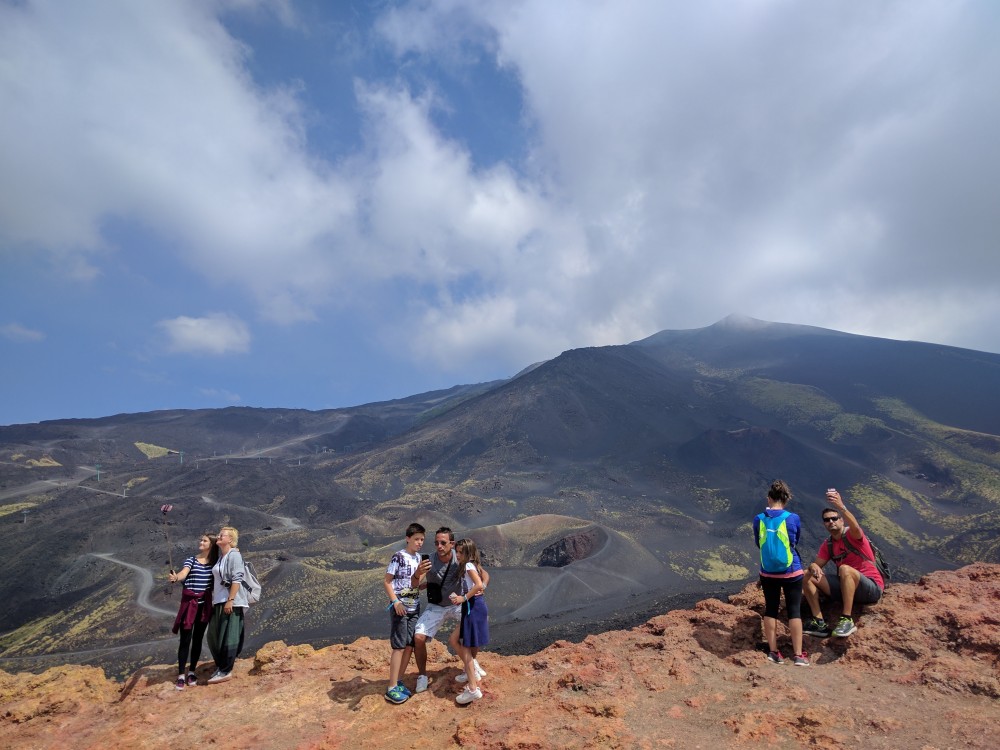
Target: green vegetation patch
83 624
44 461
720 565
153 451
874 502
313 597
797 404
274 505
848 425
974 446
710 500
971 459
6 510
715 568
973 479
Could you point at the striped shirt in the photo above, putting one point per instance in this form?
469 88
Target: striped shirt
199 577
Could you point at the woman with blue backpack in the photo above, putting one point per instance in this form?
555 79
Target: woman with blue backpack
776 533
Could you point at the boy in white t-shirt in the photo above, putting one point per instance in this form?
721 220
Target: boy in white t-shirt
401 580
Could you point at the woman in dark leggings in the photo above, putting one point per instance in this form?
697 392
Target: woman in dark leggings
196 606
776 533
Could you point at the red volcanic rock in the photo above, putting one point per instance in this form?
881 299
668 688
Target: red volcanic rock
922 671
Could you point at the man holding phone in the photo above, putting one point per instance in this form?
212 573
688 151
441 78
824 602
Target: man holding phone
857 580
441 575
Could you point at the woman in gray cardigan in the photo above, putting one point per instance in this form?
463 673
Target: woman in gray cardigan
229 603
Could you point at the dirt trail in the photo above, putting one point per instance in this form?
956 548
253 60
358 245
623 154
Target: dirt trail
145 584
286 521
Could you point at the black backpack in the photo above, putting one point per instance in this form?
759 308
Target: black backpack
880 564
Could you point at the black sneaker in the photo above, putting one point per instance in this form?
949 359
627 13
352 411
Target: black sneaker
816 626
775 657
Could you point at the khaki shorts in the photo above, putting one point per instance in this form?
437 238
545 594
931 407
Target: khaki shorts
435 615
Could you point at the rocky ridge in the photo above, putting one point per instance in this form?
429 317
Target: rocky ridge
922 671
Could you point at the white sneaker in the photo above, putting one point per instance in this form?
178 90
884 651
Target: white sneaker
219 677
462 677
421 683
467 696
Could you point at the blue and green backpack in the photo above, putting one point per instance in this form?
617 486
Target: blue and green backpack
775 547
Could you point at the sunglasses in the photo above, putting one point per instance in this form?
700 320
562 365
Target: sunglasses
441 544
831 519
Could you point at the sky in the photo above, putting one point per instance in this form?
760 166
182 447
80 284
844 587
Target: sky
311 204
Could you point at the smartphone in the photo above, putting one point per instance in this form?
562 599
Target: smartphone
424 557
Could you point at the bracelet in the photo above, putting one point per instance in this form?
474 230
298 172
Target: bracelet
392 604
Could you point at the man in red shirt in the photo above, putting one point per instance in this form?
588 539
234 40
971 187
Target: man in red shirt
857 579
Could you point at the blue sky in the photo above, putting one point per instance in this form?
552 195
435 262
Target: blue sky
206 203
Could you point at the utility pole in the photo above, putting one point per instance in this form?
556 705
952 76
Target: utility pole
25 511
98 467
182 458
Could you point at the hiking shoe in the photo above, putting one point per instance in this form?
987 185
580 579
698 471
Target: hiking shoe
403 689
800 660
192 679
395 695
845 626
467 696
816 626
220 677
421 683
775 657
180 683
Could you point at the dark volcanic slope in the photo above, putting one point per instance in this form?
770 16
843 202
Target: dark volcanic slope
953 386
664 447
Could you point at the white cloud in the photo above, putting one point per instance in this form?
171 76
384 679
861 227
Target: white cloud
217 333
147 114
19 333
680 162
432 216
724 157
220 394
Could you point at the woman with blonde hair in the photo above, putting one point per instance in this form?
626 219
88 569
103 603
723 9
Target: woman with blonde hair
474 629
229 603
195 611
